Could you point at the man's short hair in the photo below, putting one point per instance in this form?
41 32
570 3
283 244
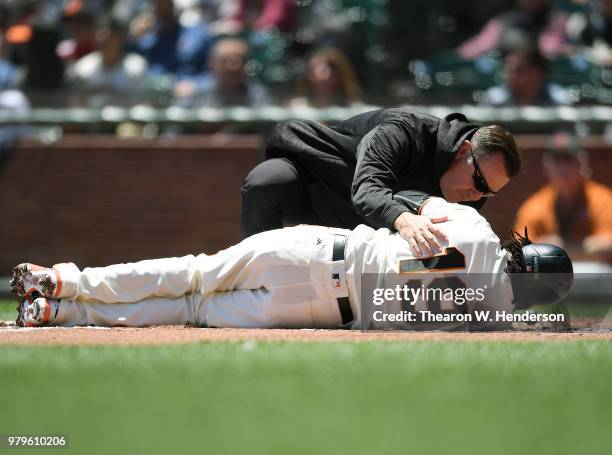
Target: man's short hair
493 138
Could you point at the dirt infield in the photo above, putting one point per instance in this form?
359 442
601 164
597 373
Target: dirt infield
52 336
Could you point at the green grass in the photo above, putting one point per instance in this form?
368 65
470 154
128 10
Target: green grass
303 398
7 309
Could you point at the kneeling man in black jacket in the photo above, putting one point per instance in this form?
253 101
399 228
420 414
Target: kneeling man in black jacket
345 175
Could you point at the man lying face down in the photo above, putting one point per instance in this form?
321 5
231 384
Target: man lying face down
296 277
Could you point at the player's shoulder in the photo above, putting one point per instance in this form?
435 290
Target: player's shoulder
465 226
438 207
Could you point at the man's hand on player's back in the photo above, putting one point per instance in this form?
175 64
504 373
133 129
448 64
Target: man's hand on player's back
421 233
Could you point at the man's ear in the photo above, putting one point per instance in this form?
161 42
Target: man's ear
464 150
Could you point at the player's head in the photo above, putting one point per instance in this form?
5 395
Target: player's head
482 166
540 273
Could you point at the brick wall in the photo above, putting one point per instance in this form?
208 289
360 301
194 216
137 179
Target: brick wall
97 200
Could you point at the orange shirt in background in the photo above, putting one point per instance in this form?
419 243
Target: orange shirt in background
539 215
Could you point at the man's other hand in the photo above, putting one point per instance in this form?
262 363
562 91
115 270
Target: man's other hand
421 233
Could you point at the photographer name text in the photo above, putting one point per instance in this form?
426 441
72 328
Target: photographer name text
477 316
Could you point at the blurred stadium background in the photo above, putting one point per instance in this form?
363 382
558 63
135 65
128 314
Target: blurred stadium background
126 127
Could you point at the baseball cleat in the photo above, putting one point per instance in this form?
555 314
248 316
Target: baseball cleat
30 278
36 312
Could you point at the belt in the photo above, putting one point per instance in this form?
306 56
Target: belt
343 302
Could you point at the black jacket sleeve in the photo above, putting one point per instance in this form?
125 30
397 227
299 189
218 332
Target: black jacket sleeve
413 200
381 155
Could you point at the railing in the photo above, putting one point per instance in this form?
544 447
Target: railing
594 114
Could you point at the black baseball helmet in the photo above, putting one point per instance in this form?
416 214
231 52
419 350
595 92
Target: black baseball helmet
546 275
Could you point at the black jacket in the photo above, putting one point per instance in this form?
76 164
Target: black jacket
353 169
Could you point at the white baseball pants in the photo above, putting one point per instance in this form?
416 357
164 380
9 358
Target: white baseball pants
284 278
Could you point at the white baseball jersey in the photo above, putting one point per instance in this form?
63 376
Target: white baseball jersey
282 278
472 259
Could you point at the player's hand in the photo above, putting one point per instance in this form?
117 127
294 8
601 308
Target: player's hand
421 233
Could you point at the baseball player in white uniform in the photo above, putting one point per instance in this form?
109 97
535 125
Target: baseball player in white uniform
295 277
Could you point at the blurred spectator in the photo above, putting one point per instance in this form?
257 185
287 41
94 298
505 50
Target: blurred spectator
526 82
18 32
169 47
18 12
80 25
43 12
227 84
259 15
44 69
330 81
9 73
11 100
218 12
572 210
535 21
593 32
109 75
194 12
125 10
348 26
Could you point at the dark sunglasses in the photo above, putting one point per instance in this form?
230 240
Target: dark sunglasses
479 182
